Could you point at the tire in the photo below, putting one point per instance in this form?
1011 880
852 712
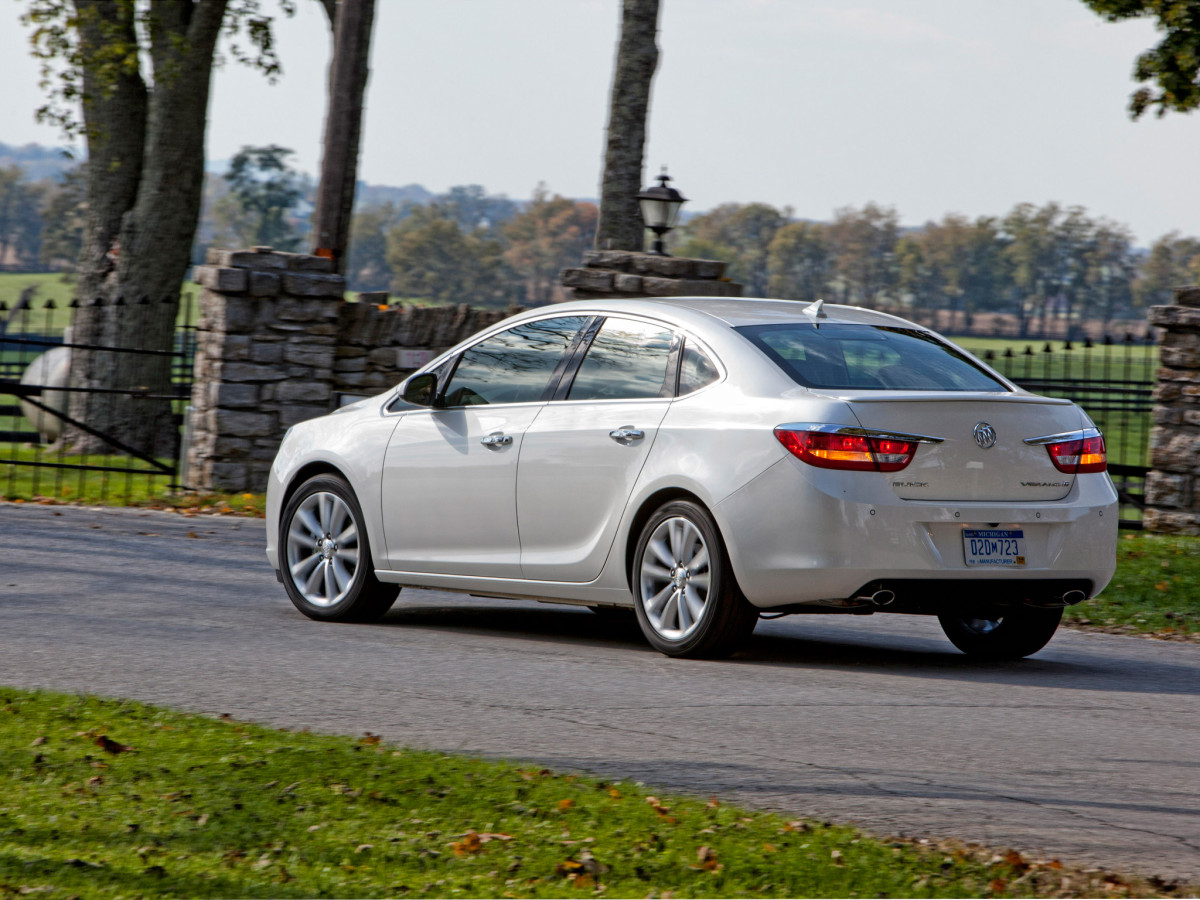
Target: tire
685 596
1010 633
325 555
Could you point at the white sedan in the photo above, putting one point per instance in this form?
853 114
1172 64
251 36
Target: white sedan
704 461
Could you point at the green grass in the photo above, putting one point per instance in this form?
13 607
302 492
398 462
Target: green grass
106 798
1155 589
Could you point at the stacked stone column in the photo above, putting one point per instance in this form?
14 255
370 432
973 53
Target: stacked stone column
266 346
621 273
1173 484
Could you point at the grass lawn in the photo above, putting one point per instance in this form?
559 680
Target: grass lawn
51 286
107 798
1156 589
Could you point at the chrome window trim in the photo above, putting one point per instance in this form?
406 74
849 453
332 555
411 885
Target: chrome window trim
1077 435
856 431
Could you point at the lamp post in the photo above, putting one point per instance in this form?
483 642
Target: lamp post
660 209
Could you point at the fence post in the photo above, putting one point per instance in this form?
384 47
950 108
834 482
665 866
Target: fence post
1172 499
265 350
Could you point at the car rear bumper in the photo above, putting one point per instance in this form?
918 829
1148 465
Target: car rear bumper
797 535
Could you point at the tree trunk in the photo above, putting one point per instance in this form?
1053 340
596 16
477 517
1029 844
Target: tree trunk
155 231
620 226
349 71
115 125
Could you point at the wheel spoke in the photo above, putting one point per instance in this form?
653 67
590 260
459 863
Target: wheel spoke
314 579
699 560
348 536
340 574
699 581
654 606
310 522
685 613
300 569
693 603
331 590
656 572
661 551
670 612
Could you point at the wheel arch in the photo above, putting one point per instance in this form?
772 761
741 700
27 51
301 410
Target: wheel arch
305 472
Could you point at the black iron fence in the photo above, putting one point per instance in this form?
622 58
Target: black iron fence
1112 379
72 433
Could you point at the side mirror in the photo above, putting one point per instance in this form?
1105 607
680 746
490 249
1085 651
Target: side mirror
421 390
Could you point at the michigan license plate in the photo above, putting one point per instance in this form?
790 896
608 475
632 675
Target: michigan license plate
994 547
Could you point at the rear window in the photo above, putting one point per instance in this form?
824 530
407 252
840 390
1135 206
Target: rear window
868 357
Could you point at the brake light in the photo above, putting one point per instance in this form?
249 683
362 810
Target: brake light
1079 457
863 453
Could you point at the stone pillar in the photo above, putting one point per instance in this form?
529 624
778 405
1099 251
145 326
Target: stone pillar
265 354
1173 483
620 273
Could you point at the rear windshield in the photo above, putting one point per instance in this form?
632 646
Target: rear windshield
868 357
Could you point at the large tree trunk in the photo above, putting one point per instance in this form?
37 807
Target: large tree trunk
348 75
620 226
114 116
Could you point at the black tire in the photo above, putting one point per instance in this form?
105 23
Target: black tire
325 555
1010 633
712 619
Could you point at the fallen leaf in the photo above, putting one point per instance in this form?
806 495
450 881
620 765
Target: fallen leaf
998 886
707 857
836 856
38 741
769 848
564 805
469 843
370 739
614 793
363 848
108 745
1016 860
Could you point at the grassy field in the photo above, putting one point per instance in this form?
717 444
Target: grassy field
106 798
54 287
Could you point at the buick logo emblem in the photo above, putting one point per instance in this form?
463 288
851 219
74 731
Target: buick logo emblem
985 435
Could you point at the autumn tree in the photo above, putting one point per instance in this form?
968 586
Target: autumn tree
799 263
620 224
864 244
740 235
1169 71
547 236
1173 261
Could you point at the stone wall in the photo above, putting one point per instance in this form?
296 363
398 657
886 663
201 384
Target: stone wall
1173 484
620 273
276 344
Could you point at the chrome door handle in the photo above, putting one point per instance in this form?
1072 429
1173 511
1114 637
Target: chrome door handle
496 440
627 435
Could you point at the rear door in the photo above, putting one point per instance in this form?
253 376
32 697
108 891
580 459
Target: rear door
583 453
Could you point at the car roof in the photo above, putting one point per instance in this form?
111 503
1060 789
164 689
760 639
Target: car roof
738 311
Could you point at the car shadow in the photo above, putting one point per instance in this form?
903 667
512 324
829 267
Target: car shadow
1106 666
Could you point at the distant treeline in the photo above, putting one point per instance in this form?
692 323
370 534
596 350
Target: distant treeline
1036 264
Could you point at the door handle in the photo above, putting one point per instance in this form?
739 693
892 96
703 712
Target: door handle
496 440
627 435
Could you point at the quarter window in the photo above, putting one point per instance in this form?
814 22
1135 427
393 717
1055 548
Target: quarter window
695 370
627 360
514 366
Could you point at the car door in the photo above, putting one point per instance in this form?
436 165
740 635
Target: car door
449 472
583 453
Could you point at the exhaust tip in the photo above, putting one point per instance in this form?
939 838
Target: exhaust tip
879 598
1070 598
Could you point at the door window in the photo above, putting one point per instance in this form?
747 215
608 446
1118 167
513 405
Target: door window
514 366
627 360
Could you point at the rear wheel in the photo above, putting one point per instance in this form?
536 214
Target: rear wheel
326 556
1002 634
686 599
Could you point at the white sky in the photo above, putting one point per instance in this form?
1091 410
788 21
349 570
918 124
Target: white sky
930 106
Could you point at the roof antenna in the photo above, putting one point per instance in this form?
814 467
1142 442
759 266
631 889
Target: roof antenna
816 310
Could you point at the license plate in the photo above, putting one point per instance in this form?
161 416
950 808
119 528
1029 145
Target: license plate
994 547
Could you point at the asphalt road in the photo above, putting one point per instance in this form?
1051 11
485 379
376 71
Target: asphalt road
1089 751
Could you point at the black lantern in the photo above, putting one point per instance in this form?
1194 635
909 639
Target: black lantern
660 209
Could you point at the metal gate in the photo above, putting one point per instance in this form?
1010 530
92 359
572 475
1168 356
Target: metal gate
37 396
1113 380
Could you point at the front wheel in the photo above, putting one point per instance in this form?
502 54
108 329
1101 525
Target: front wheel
1001 634
326 556
686 599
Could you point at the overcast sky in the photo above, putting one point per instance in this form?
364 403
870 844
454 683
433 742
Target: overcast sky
930 106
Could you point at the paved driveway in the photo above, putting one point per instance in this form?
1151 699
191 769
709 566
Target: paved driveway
1089 751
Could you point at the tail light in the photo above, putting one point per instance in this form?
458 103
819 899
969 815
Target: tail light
859 452
1078 457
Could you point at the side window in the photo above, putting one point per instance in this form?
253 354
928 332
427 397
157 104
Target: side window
695 370
627 360
513 366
